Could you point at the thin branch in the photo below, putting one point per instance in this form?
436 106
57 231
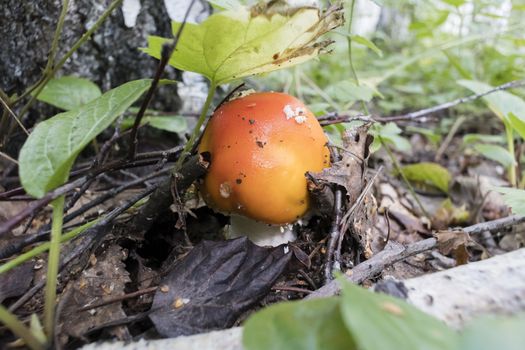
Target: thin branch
119 298
395 252
38 204
166 53
3 155
6 106
447 105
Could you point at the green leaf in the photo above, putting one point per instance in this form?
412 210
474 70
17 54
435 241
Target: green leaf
236 43
368 43
378 321
495 153
500 102
455 3
49 152
518 124
469 139
169 123
311 324
428 173
491 332
225 4
514 198
69 92
391 134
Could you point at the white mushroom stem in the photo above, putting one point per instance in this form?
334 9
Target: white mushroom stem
258 232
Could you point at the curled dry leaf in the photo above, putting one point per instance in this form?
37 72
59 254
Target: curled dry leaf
348 172
454 242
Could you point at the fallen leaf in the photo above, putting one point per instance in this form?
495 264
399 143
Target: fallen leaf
454 242
214 284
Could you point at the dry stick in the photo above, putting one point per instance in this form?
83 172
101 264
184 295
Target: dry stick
448 139
96 228
447 105
166 52
193 168
395 252
334 235
118 298
99 159
43 232
38 204
16 118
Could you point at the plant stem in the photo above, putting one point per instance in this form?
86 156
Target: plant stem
43 248
19 329
405 180
349 41
52 266
510 146
189 145
40 85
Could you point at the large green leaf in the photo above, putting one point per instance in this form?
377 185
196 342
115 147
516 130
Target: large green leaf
69 92
378 322
500 102
517 124
491 332
428 173
495 153
236 43
49 152
171 123
514 198
309 325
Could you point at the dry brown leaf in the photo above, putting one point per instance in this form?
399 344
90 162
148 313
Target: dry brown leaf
454 242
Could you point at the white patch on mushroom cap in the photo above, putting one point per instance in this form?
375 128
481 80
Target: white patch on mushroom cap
299 115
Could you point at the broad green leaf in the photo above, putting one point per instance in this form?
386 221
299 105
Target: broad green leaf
500 102
492 332
310 325
469 139
69 92
237 43
495 153
364 41
518 124
49 152
171 123
347 91
428 173
378 322
391 134
514 198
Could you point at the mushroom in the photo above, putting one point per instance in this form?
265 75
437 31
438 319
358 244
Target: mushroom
261 145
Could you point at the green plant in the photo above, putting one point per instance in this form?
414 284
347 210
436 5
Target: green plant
360 319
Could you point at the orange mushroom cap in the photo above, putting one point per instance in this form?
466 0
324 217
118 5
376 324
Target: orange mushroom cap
261 146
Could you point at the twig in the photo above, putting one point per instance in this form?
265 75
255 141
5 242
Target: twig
447 105
334 236
118 298
37 205
448 139
166 53
337 118
17 119
395 252
398 168
3 155
43 232
291 289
